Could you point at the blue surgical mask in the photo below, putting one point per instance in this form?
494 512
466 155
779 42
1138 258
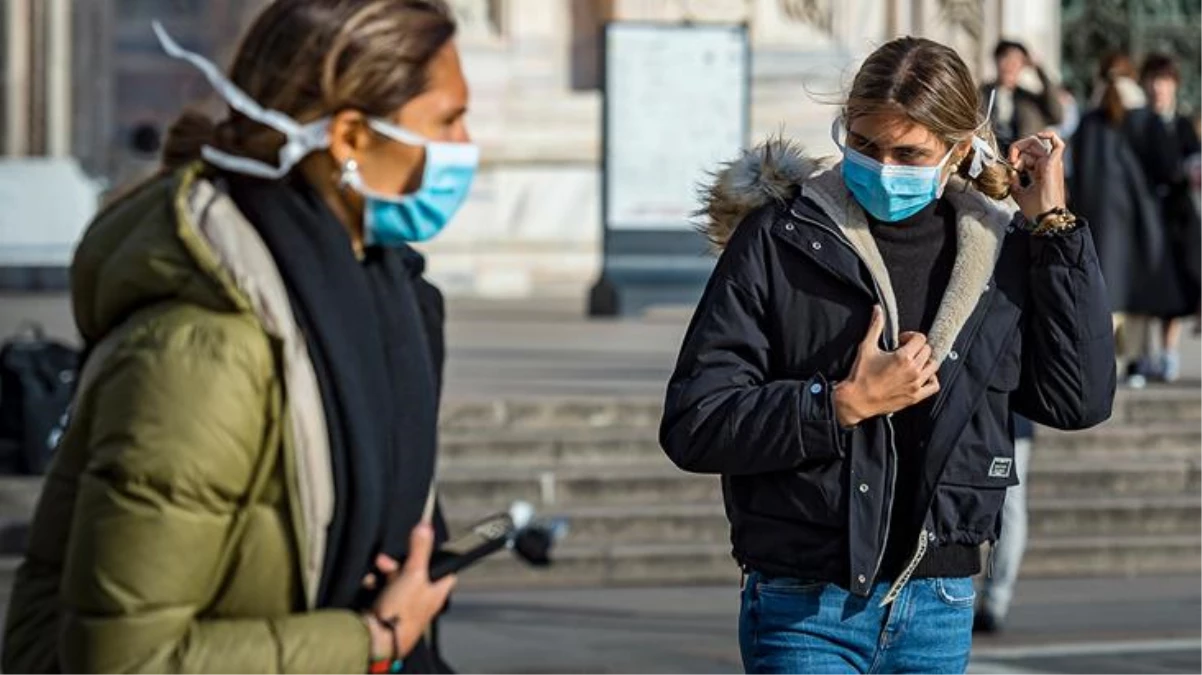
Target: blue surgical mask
890 192
388 220
893 192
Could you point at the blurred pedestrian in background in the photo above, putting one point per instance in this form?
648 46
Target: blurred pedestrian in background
1019 111
1108 186
252 449
858 499
1006 557
1167 145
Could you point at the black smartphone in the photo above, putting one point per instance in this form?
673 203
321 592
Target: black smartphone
481 540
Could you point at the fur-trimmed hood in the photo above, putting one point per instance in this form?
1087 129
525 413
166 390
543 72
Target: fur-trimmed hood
770 172
779 169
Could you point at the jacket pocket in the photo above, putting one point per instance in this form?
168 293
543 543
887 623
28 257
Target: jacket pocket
969 498
811 493
1006 374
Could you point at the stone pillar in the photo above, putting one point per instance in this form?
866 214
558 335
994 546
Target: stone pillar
58 75
1035 23
17 84
95 86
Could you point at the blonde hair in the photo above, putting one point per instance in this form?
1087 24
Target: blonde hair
313 58
929 84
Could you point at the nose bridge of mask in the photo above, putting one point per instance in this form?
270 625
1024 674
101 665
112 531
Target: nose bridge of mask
984 153
894 169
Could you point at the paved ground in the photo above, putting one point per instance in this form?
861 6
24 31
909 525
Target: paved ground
1057 626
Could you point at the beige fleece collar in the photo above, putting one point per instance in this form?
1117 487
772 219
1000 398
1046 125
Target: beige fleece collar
981 227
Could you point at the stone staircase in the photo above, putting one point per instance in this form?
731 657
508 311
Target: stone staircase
1122 499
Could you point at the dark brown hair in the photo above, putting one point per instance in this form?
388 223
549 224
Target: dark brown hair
313 58
1158 65
1004 46
929 84
1114 67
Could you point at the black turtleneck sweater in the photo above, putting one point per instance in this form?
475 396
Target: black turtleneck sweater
919 253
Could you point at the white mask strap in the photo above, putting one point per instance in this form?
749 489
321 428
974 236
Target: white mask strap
398 134
301 139
983 153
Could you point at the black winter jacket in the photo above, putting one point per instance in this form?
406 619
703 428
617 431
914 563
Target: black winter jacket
1024 326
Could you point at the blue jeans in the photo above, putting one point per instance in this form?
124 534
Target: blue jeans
796 626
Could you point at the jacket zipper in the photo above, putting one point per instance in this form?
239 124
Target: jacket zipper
888 418
903 578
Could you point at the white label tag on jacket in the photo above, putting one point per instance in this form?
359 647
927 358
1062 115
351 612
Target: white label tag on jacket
1000 467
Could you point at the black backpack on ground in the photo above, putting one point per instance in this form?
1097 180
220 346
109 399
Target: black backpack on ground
37 381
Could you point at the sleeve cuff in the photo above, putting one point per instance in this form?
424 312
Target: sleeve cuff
817 424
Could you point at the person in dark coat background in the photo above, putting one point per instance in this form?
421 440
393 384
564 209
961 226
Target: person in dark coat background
1166 143
1108 186
852 367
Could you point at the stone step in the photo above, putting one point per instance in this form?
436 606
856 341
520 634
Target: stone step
1115 516
1115 478
551 448
580 564
1132 407
662 483
1178 438
706 522
643 483
651 484
1113 556
550 413
1158 404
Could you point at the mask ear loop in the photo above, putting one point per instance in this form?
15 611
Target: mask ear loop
983 152
836 127
302 138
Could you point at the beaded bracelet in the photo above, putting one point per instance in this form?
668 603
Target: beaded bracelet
393 664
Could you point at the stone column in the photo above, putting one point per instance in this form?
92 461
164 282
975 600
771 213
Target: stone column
95 86
1035 23
18 43
58 77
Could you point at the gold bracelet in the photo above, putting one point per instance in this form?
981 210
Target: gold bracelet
1055 220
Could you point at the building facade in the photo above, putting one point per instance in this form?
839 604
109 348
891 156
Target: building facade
532 226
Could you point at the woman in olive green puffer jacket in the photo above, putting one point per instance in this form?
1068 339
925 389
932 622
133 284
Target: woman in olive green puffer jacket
197 516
